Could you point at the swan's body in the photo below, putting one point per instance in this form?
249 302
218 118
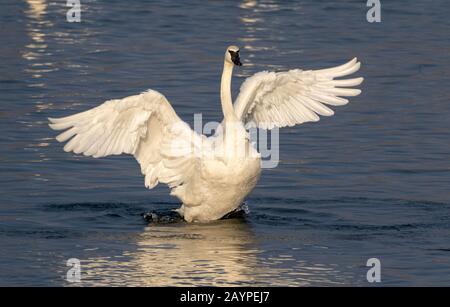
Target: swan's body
211 176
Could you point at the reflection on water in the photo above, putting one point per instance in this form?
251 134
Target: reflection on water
39 65
38 47
214 254
255 22
37 8
223 253
252 23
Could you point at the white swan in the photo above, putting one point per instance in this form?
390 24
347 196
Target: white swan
211 176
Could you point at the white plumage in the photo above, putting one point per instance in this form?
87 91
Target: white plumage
211 176
269 99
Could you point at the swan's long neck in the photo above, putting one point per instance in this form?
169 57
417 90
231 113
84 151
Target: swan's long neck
225 92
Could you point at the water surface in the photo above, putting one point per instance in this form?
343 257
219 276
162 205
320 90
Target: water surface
372 181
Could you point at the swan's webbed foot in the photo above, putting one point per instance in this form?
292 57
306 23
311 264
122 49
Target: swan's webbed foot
163 217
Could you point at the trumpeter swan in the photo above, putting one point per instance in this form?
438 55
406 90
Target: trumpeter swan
211 176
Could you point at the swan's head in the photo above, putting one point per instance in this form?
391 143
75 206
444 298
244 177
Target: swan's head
232 55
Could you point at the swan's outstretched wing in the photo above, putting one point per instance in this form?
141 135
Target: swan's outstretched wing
145 126
269 99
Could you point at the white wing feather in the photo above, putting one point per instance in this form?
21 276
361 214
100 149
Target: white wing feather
269 99
145 126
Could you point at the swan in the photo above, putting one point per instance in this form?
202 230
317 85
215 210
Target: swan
210 175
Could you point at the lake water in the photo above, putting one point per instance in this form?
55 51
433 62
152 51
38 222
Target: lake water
370 182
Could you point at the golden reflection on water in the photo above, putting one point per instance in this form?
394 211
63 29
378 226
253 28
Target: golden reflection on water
254 22
35 51
36 22
39 66
223 253
37 8
215 254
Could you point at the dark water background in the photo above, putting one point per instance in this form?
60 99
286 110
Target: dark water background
372 181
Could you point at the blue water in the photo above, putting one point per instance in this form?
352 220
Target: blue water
371 181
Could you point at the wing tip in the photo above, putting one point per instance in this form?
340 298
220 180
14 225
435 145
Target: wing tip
54 126
59 138
341 70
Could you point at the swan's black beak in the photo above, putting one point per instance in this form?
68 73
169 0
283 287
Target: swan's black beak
235 58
